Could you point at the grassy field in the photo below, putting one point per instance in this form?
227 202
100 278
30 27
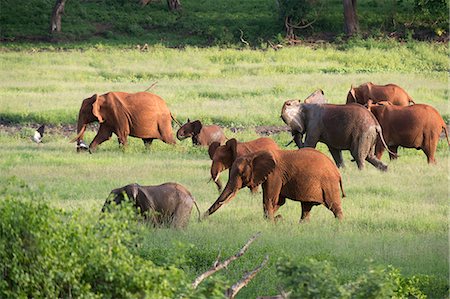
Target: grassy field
397 218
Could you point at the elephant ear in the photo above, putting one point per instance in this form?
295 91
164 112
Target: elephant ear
262 165
212 149
232 147
112 107
196 127
96 106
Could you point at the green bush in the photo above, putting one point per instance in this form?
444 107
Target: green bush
45 252
319 279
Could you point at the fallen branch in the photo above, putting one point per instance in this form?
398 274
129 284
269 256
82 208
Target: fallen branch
217 266
151 86
234 289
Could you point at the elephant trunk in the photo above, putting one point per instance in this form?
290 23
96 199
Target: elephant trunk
81 128
228 194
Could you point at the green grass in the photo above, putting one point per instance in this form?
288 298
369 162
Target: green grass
398 218
230 87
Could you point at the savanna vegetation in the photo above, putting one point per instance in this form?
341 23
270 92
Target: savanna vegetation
393 241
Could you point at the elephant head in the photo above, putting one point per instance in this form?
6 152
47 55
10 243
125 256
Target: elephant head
189 129
247 171
293 114
108 109
118 195
222 157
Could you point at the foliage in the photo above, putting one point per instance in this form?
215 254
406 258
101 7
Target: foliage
319 279
46 252
216 22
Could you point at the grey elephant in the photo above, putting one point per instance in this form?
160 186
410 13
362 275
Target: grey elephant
341 127
167 204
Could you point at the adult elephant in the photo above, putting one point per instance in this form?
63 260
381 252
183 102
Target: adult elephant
200 134
369 91
418 126
341 127
142 114
167 204
304 175
223 156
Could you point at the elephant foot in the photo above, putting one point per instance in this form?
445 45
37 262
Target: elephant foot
82 147
278 218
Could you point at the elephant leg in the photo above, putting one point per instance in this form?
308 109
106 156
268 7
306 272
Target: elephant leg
147 142
379 149
337 156
165 130
298 140
377 163
271 194
103 134
311 139
429 148
306 210
394 149
332 201
358 156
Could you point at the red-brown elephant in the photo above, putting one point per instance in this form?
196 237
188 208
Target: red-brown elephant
377 93
418 126
143 115
201 135
223 156
304 175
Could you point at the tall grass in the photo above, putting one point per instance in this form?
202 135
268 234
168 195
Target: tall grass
224 86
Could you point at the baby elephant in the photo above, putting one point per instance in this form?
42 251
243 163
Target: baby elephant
167 204
201 135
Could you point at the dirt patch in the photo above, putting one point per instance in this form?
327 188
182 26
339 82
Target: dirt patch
70 130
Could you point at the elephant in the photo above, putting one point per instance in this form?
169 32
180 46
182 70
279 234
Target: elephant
341 127
223 156
304 175
369 91
418 126
201 135
317 97
166 204
142 114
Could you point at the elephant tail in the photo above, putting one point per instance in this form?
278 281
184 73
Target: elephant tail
444 127
380 133
175 120
198 210
342 189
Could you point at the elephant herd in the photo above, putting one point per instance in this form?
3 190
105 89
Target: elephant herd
375 118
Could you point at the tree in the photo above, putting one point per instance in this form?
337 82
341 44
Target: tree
350 17
174 5
58 11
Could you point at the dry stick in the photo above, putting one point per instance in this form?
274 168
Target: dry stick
151 86
220 265
234 289
242 38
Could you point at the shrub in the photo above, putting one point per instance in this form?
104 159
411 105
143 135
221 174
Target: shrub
45 252
319 279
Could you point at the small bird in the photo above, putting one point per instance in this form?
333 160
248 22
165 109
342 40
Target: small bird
38 134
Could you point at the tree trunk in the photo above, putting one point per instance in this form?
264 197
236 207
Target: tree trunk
174 5
350 18
58 11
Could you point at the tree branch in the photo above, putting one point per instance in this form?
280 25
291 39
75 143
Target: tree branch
234 289
217 266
